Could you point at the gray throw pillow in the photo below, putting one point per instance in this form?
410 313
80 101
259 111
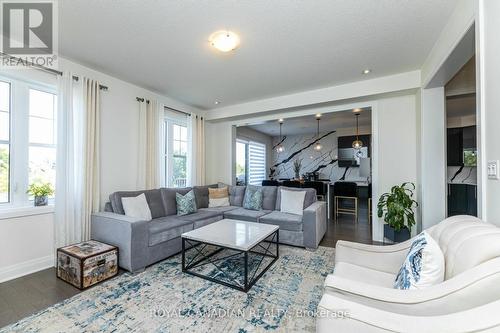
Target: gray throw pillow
253 198
186 204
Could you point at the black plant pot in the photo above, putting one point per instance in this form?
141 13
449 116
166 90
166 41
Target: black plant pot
396 236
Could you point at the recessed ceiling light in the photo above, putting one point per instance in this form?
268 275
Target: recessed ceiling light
367 71
224 40
216 102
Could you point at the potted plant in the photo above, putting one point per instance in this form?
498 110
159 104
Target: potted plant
297 165
41 193
397 208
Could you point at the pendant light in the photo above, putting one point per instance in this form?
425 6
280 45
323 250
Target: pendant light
357 144
317 146
280 147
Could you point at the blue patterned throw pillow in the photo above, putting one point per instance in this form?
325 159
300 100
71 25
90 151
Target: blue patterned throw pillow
186 204
253 198
423 266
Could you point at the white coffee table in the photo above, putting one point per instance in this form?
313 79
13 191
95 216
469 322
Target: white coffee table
238 239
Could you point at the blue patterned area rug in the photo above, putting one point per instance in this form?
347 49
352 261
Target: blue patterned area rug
163 299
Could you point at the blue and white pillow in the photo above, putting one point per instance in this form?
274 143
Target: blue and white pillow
253 198
423 265
186 204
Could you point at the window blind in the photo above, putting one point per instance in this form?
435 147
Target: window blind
256 163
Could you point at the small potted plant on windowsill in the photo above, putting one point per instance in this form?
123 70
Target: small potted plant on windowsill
397 208
41 192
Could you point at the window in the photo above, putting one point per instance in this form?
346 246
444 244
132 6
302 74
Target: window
256 163
250 162
241 163
27 139
4 141
176 150
42 137
179 167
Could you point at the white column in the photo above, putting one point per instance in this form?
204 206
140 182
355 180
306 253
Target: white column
433 157
488 68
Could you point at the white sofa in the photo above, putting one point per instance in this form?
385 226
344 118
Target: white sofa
467 301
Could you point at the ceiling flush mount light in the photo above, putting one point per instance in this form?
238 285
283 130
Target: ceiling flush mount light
317 145
357 144
279 147
224 40
367 71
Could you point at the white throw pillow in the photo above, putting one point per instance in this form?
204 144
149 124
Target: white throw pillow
423 266
292 202
137 207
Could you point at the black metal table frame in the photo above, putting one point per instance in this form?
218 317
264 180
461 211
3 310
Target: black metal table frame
201 259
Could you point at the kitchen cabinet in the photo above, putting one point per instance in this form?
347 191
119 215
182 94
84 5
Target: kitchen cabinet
462 199
455 147
459 139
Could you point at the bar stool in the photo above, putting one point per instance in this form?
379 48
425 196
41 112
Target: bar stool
321 191
346 191
320 188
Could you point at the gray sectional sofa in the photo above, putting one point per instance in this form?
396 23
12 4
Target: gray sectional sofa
142 243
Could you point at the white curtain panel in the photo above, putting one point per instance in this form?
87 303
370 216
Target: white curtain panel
148 169
196 151
141 146
91 157
68 202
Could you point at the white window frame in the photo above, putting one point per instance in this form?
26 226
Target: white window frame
170 119
19 140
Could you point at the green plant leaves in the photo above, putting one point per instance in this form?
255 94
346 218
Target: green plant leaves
397 207
40 190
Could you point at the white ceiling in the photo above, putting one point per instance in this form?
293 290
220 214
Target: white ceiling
287 46
307 124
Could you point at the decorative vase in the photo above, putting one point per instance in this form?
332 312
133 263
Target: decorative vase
297 175
41 201
396 236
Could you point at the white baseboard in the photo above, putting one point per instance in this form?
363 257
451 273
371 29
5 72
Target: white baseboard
25 268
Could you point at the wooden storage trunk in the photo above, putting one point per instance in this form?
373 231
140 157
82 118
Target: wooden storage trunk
87 263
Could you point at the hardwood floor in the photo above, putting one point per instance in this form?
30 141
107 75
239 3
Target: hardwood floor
31 293
34 292
346 228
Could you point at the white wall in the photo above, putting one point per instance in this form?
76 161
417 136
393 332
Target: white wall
26 245
26 242
119 128
395 148
220 152
433 157
489 102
